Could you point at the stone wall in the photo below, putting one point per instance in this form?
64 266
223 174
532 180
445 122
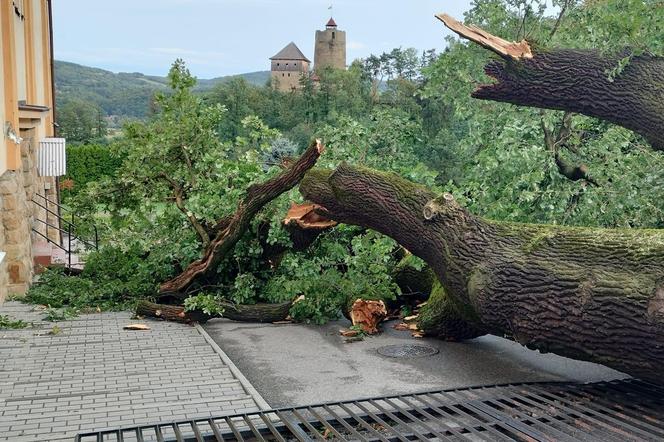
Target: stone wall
4 277
16 231
330 49
17 217
286 81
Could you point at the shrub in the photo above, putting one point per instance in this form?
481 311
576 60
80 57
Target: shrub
87 163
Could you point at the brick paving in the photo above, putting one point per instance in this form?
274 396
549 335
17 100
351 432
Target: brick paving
94 375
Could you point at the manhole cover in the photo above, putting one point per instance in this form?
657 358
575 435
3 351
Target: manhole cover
407 351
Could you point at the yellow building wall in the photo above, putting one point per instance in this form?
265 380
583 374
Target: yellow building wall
25 78
25 72
3 146
20 57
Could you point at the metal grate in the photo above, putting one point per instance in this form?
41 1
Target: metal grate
627 410
407 351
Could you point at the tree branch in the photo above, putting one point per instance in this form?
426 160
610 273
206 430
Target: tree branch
563 9
570 171
584 81
257 196
179 202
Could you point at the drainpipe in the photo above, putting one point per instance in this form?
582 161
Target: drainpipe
53 109
52 62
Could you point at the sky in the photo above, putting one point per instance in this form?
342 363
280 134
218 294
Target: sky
225 37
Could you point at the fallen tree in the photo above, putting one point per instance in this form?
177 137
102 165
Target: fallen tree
231 228
587 293
246 313
625 88
175 313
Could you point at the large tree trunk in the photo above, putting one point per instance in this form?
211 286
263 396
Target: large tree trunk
584 81
588 293
230 229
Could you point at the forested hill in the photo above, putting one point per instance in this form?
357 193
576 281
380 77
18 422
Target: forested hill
123 94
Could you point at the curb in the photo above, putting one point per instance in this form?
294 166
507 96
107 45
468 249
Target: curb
255 395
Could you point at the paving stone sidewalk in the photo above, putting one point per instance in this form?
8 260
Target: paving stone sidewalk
92 374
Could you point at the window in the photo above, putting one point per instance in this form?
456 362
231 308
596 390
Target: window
283 75
286 64
333 35
277 64
289 74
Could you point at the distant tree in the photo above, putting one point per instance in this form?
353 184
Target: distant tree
81 122
239 98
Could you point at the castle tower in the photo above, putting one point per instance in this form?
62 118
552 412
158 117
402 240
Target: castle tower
287 66
330 48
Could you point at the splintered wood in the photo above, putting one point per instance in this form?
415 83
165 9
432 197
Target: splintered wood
498 45
136 327
305 217
368 314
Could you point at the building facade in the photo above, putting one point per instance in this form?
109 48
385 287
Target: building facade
287 67
330 47
27 121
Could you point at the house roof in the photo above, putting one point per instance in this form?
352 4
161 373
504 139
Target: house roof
331 23
290 52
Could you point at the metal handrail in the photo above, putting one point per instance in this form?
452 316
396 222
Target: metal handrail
62 208
82 240
70 228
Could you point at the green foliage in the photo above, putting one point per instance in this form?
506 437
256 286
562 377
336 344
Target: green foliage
88 163
205 302
113 279
343 265
498 163
7 322
55 315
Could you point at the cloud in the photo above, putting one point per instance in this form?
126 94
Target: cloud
355 45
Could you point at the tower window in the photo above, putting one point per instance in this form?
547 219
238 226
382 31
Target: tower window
277 64
283 75
289 74
333 34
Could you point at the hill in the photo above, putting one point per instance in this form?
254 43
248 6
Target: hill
123 94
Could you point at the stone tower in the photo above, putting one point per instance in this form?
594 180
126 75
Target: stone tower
330 48
287 67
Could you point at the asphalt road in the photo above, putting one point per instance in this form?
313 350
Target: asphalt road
301 364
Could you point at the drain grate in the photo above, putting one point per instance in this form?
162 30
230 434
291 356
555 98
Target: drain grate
617 411
407 351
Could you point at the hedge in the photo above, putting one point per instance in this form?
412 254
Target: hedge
86 163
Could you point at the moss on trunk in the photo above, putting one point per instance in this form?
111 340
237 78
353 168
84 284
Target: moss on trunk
441 318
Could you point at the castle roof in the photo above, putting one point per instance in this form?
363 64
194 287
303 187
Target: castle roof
290 52
331 23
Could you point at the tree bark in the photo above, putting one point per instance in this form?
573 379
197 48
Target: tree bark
584 81
587 293
441 317
231 229
174 313
256 312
